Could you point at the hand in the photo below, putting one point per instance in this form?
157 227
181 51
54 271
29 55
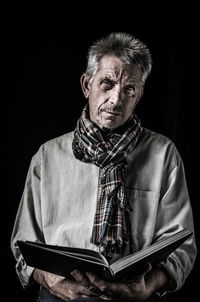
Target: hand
63 288
138 289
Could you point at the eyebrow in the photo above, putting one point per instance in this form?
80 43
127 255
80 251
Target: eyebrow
130 81
106 77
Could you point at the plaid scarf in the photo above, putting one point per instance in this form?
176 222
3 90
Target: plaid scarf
111 230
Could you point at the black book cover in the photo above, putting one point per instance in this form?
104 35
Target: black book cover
63 260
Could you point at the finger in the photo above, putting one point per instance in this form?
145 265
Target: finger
107 288
147 268
82 290
80 278
143 269
140 273
83 280
100 283
108 298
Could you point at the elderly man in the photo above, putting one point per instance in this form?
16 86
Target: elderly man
111 185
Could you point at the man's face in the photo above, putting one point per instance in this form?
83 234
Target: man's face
113 93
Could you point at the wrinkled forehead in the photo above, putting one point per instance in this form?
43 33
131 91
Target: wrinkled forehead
112 67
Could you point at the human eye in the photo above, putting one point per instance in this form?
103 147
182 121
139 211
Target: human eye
106 84
129 90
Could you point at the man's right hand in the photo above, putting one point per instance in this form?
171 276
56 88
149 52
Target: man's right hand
63 288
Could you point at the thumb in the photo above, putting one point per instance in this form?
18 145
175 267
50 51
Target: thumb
141 272
142 269
147 268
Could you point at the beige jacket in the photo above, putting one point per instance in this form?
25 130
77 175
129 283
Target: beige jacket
59 201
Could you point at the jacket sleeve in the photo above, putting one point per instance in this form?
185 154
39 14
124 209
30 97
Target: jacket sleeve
28 222
174 214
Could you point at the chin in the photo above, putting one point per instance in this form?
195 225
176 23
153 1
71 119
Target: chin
109 126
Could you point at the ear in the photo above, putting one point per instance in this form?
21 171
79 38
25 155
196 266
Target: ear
85 85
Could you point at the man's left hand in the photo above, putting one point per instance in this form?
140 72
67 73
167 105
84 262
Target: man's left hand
138 289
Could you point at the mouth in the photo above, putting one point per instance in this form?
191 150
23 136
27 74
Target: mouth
113 113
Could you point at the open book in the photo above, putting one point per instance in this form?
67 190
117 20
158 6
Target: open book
63 260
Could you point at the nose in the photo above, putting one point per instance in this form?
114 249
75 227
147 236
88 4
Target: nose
115 95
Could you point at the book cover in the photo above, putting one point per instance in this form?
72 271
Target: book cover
63 260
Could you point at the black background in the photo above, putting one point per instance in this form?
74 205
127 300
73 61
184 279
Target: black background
44 50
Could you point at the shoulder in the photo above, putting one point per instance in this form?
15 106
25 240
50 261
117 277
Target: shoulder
158 144
62 142
157 139
56 146
155 136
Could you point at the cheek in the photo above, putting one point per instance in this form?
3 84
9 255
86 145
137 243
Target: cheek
96 100
130 105
94 105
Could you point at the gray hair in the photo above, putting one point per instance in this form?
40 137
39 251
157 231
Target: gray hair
126 47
